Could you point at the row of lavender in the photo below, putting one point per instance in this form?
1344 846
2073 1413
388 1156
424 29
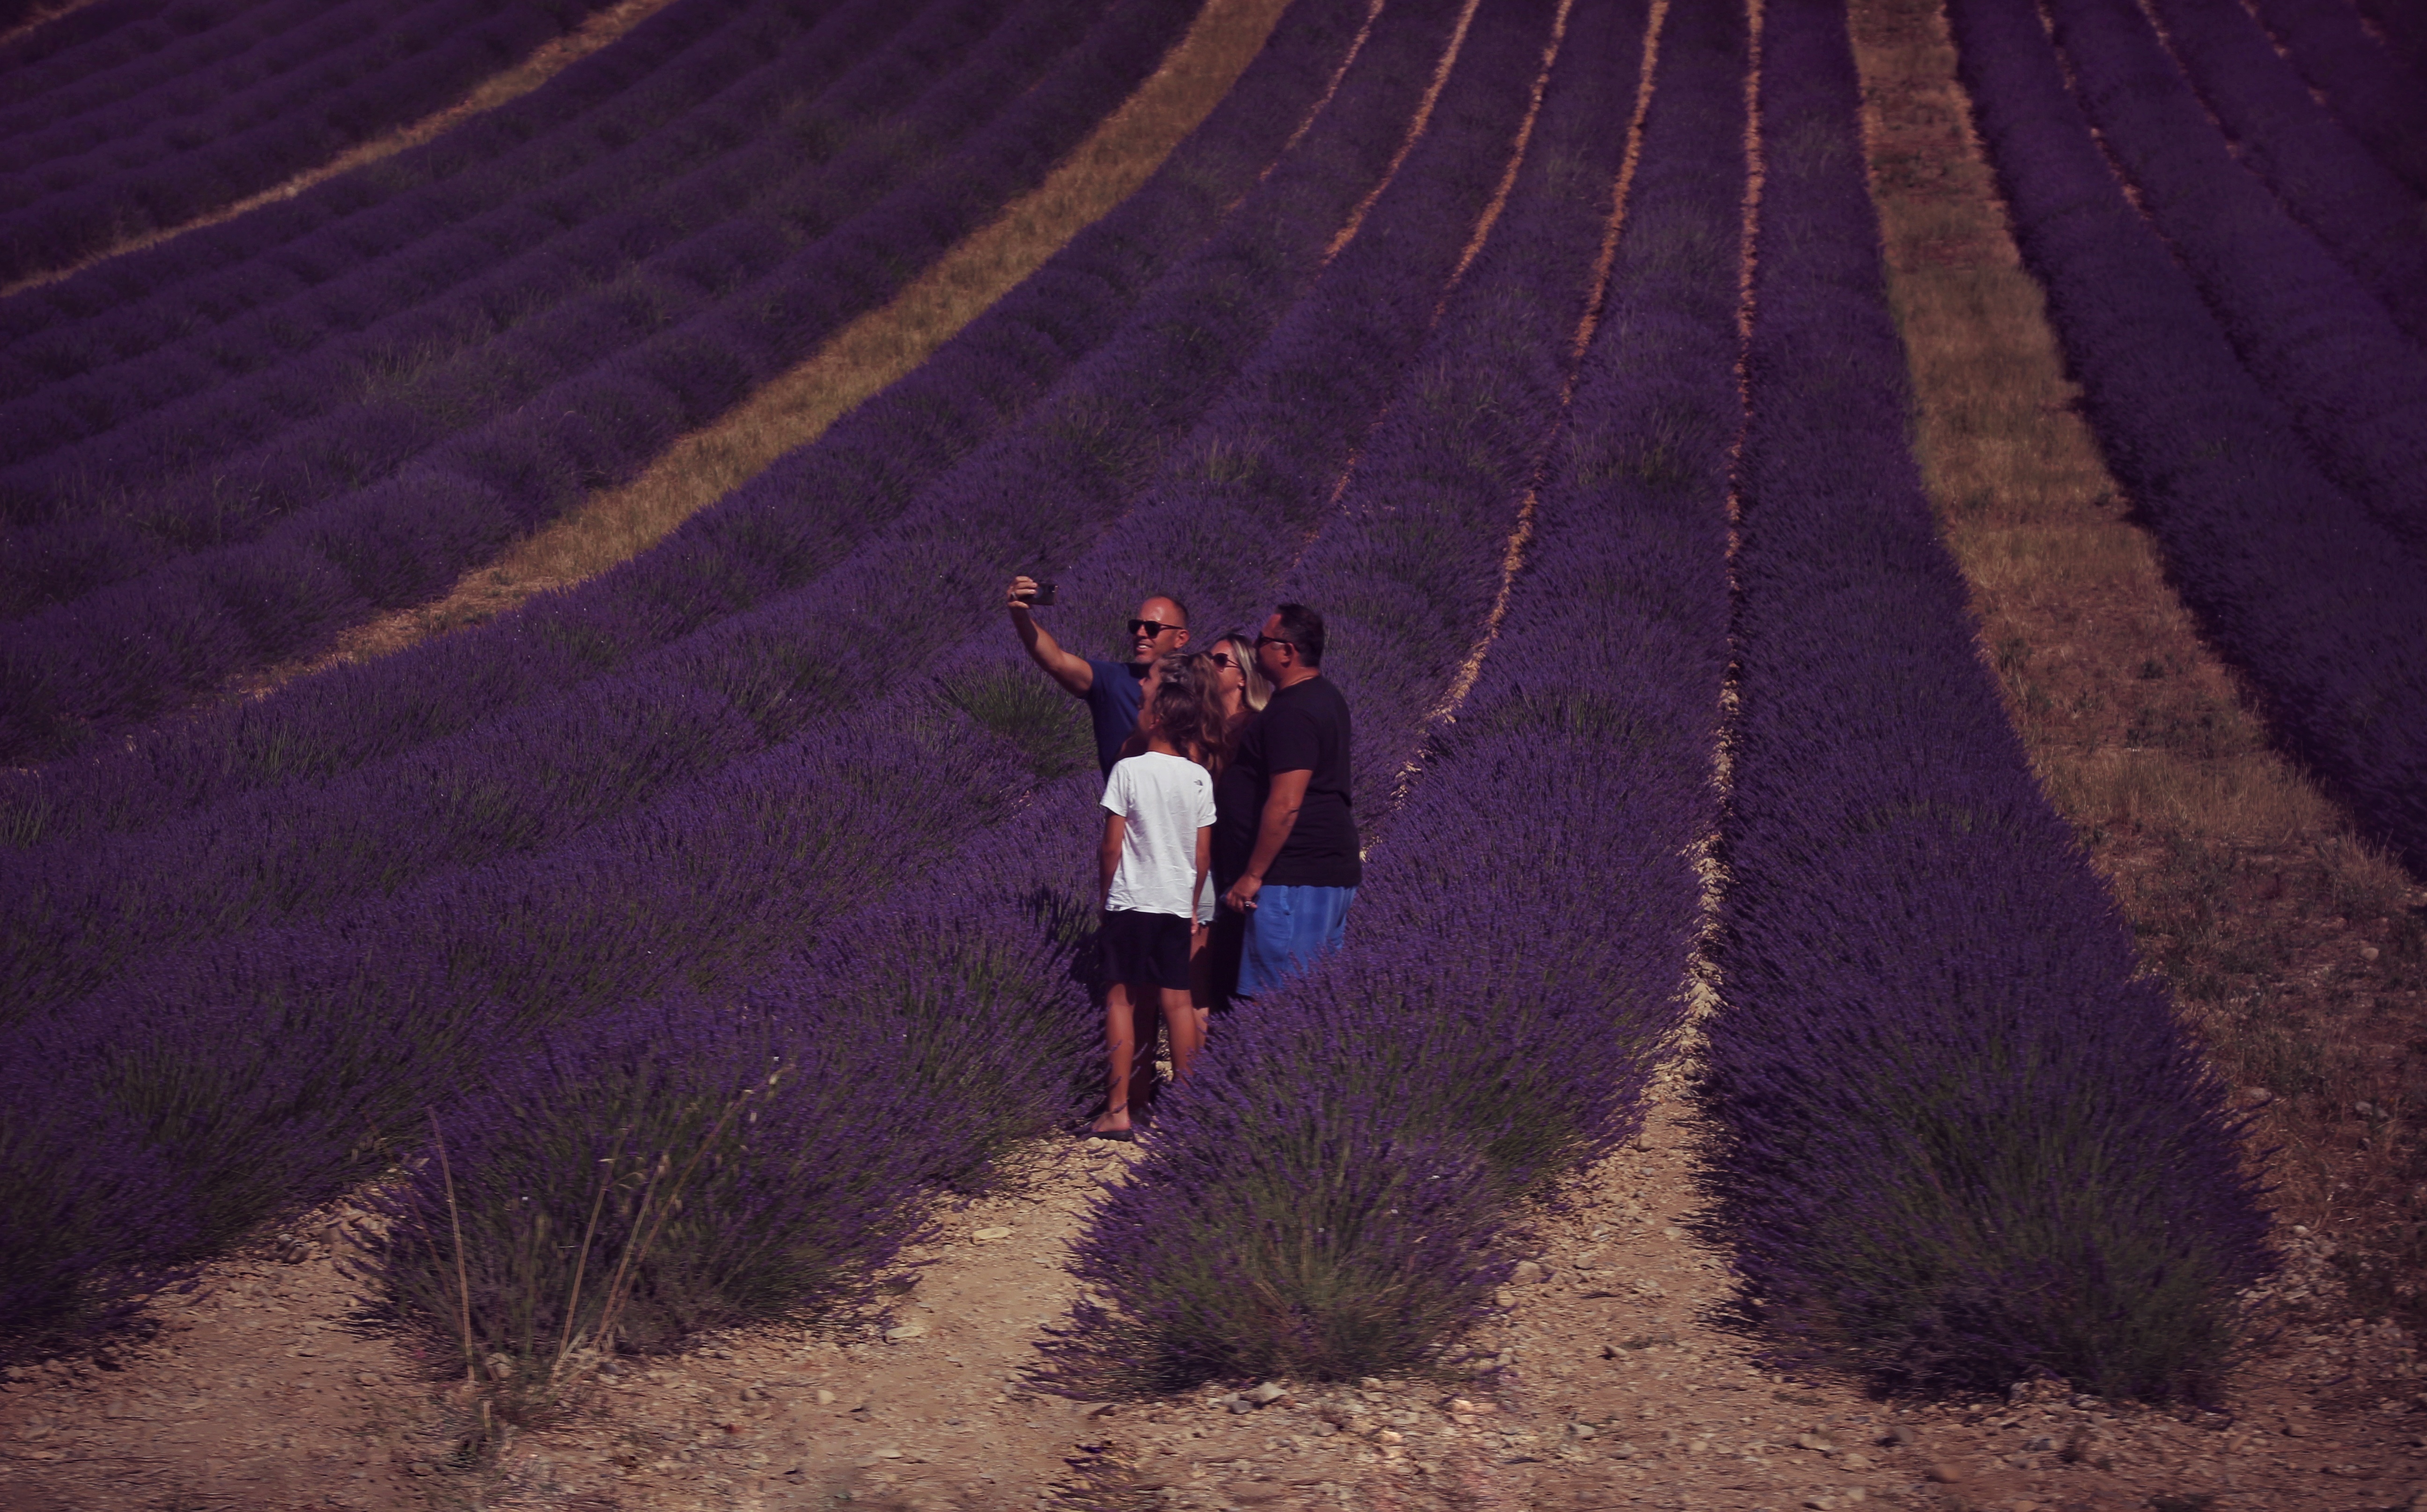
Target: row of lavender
307 1054
209 443
1959 1137
812 590
1409 555
2308 591
2355 203
291 56
2372 93
2312 332
2404 29
497 306
735 68
1335 1194
125 651
248 38
1956 1141
151 162
607 102
43 54
742 628
280 1066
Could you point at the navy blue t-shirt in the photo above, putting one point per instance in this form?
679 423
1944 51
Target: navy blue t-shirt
1114 697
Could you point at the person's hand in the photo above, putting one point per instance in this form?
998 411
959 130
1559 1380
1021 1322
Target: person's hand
1016 597
1241 895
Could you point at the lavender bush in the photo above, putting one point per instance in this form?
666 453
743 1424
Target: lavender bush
91 1217
309 420
1958 1136
2370 220
94 39
754 93
2369 91
2305 591
989 1091
2308 331
72 206
202 41
1335 1194
125 108
771 673
667 65
778 533
1316 1246
655 1172
711 882
2404 29
129 650
997 932
677 1166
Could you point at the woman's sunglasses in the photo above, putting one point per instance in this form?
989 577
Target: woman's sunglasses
1223 660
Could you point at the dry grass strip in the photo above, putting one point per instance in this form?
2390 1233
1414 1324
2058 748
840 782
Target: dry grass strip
864 356
549 59
2299 952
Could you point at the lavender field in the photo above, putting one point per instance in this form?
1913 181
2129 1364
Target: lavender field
665 954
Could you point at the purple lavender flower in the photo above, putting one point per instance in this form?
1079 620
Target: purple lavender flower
1959 1137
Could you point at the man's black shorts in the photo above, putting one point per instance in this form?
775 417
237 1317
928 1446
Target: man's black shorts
1144 949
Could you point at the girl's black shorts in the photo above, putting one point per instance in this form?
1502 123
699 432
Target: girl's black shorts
1144 949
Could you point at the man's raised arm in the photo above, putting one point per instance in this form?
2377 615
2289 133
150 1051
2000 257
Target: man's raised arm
1071 671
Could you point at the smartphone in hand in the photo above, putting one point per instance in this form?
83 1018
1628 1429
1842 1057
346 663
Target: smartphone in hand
1042 598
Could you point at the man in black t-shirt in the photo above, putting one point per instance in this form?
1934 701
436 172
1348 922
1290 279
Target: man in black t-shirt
1302 867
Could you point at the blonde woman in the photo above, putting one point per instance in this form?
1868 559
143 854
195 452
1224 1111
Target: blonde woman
1244 689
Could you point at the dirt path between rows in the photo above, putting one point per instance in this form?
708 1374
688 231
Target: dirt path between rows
1613 1390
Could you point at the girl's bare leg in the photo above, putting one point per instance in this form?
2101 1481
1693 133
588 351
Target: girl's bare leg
1187 1032
1121 1049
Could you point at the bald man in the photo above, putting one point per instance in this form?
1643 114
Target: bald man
1113 690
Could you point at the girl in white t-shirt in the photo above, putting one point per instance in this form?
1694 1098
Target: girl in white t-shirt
1158 845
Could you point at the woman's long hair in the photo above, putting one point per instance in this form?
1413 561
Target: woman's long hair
1187 710
1258 689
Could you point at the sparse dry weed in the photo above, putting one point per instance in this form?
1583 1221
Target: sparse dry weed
2298 950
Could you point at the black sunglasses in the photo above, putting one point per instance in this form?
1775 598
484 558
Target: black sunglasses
1223 660
1263 640
1150 628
